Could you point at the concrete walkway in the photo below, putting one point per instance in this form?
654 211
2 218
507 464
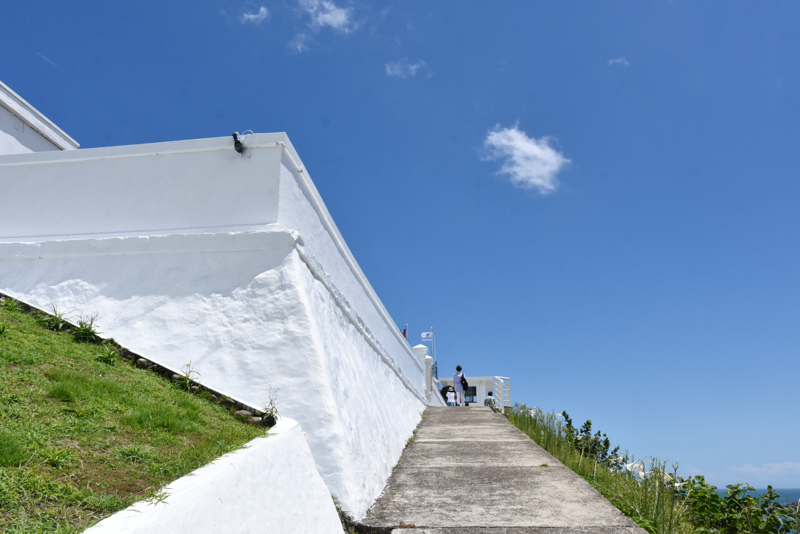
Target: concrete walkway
469 470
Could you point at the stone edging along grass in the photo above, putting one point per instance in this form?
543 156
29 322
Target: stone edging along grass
186 378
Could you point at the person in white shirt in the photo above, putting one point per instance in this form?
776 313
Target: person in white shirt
457 385
451 397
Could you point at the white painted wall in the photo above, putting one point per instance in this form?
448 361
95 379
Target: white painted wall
482 385
322 242
255 489
190 252
23 129
156 189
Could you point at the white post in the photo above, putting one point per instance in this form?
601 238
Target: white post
428 378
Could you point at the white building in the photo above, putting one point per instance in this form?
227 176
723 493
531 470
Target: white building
480 386
23 129
191 252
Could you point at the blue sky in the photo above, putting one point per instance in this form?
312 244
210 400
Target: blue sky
597 199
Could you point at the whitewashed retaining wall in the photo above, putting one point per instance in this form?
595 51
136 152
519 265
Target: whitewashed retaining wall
255 489
191 252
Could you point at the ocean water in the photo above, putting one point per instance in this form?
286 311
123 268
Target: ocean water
794 493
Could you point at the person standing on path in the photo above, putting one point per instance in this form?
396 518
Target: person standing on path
458 386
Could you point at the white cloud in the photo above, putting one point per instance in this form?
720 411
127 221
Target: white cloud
777 474
300 42
404 69
530 163
619 61
255 18
325 13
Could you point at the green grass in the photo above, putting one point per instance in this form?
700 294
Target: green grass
650 501
649 493
84 434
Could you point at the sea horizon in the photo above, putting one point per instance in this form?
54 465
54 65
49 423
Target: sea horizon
793 493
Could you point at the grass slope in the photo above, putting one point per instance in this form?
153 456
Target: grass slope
81 439
649 493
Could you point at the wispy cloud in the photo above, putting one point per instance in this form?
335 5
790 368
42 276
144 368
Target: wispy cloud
48 60
255 18
777 474
404 69
530 163
619 61
300 42
324 13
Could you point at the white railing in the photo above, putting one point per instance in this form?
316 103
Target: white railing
502 391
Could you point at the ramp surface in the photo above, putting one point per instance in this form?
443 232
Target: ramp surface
469 470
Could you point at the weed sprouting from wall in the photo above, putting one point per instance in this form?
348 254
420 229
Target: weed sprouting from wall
159 497
271 408
56 320
188 375
86 331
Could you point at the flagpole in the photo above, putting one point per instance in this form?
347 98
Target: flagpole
433 345
433 353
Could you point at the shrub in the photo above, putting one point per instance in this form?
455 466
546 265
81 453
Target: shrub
55 321
58 457
108 354
738 510
11 304
86 332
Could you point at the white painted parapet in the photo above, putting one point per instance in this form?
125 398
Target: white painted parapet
432 385
23 129
271 485
428 377
421 351
191 252
162 188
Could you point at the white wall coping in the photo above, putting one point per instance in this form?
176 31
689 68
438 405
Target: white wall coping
305 182
267 140
270 485
35 119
